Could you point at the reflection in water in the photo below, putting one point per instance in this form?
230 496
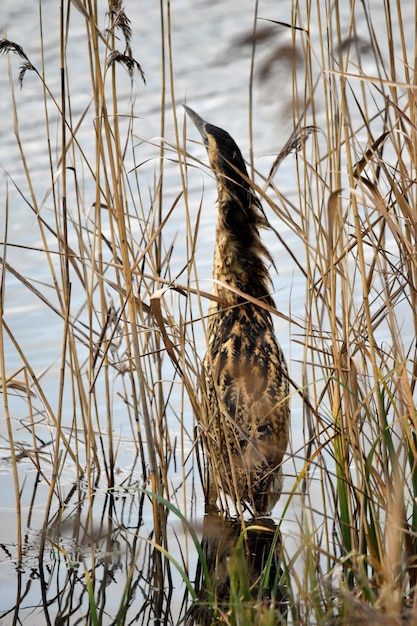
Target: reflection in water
92 559
243 570
96 560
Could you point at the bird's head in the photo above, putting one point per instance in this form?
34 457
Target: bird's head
240 213
224 155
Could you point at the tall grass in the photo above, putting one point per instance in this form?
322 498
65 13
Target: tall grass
130 332
355 215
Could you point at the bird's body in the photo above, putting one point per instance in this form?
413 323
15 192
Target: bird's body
245 371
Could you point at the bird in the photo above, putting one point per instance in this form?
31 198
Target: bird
245 372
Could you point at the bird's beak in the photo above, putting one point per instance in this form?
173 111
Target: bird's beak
198 121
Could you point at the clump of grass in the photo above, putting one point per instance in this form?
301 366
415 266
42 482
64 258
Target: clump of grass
355 214
103 256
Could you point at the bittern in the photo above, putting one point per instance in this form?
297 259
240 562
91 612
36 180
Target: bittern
244 367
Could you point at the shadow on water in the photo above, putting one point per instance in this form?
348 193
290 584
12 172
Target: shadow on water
244 574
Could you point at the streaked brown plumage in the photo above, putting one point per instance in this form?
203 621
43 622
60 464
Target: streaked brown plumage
245 370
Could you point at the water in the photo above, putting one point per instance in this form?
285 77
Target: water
211 69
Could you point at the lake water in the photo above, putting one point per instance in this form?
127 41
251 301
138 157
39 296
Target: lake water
211 68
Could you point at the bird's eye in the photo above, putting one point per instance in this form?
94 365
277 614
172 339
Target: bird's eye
264 430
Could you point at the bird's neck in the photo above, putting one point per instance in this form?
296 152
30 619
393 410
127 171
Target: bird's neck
240 256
